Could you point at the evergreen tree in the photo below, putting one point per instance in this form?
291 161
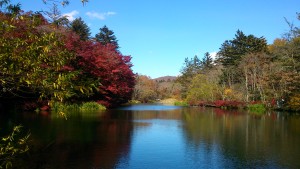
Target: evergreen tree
207 62
231 51
81 29
106 36
56 18
190 68
14 9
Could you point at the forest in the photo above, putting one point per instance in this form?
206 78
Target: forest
47 59
53 66
246 71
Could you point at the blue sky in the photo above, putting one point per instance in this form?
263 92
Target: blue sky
160 34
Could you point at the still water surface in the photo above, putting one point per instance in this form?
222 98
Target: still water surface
157 136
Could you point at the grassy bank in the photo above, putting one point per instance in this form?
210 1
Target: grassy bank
256 108
175 102
84 107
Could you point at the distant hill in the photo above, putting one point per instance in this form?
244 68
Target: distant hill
165 78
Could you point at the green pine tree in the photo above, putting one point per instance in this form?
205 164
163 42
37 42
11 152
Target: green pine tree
106 36
81 29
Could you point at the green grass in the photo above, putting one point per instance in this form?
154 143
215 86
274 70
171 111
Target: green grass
60 107
257 108
84 107
91 106
76 110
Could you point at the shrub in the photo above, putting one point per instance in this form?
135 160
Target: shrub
61 107
84 107
257 108
228 104
91 106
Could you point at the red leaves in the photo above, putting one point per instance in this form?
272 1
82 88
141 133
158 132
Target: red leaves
220 103
228 104
109 65
53 63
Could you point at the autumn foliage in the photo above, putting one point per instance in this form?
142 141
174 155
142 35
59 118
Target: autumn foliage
105 63
40 61
247 71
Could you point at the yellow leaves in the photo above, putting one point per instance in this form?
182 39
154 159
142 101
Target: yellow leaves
59 96
279 42
28 82
12 145
55 86
202 89
228 92
81 90
46 49
62 114
294 102
2 81
231 94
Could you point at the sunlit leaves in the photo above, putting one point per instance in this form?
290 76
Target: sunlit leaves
54 64
203 88
193 67
32 62
106 64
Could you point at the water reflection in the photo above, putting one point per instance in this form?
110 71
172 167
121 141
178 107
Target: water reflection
243 140
80 142
162 137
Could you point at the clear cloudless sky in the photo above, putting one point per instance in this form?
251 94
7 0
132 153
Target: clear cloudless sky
160 34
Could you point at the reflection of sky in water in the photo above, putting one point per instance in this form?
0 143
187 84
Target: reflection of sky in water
159 143
158 136
190 138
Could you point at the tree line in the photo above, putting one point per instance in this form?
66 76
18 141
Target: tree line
152 90
50 59
247 70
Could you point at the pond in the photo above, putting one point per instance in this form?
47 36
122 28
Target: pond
158 136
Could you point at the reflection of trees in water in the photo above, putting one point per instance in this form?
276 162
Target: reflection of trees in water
81 142
239 139
158 114
266 140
